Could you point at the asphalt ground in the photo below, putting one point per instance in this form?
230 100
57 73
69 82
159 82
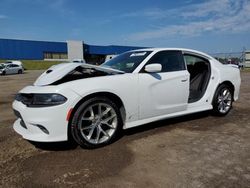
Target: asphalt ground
197 150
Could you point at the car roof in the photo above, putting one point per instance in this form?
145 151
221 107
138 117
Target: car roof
13 62
7 64
171 49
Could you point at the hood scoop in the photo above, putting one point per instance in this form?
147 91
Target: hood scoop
49 71
55 73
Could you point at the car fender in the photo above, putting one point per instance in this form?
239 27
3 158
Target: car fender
231 74
123 85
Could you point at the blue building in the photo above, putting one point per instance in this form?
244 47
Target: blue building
12 49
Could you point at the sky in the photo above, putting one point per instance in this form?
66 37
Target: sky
212 26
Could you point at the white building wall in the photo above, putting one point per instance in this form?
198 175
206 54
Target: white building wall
247 59
75 49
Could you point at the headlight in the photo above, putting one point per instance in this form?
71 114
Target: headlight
41 100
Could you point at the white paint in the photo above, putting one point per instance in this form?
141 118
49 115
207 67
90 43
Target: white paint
146 97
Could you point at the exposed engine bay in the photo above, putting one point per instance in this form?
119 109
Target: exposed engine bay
80 73
67 72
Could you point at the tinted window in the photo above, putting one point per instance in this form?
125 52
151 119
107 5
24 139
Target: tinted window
170 60
191 59
13 65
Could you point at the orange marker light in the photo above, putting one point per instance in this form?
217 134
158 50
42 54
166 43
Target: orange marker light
69 114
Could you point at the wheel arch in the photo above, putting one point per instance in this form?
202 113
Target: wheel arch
227 83
230 85
113 97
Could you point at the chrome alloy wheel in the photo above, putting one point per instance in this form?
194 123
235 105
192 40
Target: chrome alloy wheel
98 123
224 101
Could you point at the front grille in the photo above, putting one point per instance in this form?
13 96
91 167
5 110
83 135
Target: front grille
17 114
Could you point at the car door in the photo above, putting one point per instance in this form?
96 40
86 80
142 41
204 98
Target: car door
11 69
8 69
15 68
167 91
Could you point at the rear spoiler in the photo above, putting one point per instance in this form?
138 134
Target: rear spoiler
233 65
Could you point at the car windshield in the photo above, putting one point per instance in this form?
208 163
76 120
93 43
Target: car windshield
1 66
127 61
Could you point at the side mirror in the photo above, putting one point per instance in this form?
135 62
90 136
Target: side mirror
153 68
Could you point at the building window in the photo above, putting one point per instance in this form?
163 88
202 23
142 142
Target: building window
55 55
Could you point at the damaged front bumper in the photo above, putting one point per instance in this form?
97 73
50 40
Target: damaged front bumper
43 124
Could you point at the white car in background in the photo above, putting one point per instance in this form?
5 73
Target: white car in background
92 104
10 68
14 62
79 61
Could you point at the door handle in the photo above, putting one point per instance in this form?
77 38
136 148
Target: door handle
184 80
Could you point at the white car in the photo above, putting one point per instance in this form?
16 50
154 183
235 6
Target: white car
10 69
92 104
79 61
14 62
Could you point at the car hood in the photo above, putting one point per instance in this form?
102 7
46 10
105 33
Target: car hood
57 72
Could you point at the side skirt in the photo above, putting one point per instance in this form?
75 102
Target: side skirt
189 110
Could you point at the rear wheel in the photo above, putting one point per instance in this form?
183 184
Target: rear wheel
97 122
223 100
3 73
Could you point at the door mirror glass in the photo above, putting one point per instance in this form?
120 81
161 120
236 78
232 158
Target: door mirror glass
153 68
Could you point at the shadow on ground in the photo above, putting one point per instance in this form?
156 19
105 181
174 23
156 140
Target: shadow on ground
167 123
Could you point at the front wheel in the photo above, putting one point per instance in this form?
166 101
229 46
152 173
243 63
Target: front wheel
97 122
20 71
223 100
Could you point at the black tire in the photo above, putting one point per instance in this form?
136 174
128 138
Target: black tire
3 73
77 128
20 71
222 104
